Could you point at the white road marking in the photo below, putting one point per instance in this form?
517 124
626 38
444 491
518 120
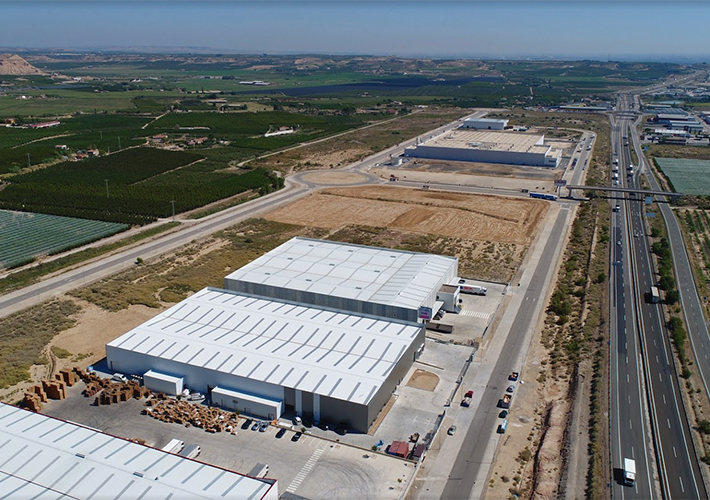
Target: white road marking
664 399
681 484
674 453
475 314
669 422
307 467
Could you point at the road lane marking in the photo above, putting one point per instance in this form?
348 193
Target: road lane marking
627 378
660 378
668 420
630 426
681 484
674 453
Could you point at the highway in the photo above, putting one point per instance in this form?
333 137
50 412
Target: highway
628 433
675 458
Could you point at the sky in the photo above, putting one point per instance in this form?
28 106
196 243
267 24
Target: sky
571 29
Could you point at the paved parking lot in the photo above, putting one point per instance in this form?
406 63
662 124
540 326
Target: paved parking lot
313 467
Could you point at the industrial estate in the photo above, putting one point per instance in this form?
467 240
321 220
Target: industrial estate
249 281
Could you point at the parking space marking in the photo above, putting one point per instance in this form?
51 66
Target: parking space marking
475 314
307 467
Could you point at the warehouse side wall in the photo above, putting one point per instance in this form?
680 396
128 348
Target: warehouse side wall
478 155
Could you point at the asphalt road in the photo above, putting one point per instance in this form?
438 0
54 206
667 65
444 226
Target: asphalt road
675 455
485 421
628 433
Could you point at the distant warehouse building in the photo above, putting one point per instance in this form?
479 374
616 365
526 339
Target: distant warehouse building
484 124
378 281
48 458
488 147
263 356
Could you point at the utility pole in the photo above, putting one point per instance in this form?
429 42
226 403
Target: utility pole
106 181
119 143
172 202
29 165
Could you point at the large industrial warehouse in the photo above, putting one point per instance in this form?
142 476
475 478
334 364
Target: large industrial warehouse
43 457
263 356
322 329
488 147
378 281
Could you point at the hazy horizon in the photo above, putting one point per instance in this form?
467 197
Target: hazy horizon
623 31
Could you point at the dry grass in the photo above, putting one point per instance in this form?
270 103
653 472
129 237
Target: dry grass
25 335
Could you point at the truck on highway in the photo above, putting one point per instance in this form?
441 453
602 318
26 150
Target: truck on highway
174 446
473 289
654 296
629 471
616 161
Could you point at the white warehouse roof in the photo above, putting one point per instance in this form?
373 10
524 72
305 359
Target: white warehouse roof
342 355
43 457
369 274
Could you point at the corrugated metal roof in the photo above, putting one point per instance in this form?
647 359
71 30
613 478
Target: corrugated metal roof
43 457
343 355
379 275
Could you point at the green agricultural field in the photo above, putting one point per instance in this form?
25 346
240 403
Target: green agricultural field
133 186
25 236
686 176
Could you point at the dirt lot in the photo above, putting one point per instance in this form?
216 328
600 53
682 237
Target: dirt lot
478 217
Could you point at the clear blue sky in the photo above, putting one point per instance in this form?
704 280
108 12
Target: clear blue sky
640 30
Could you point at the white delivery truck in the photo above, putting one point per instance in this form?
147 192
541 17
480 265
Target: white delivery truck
629 471
259 470
190 451
473 289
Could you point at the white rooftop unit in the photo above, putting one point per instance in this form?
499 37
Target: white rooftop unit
48 458
378 281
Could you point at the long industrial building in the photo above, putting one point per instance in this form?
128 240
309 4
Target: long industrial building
48 458
488 147
362 279
322 329
264 356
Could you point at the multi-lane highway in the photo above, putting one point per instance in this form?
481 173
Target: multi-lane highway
629 436
653 379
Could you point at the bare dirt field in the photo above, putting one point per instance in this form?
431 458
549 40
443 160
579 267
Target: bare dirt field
478 217
422 379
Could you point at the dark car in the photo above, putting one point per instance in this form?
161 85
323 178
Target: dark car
503 414
296 436
247 423
281 433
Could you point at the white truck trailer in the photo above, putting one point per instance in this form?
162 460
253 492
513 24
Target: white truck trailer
629 471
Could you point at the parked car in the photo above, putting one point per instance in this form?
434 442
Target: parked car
256 426
452 430
296 436
281 433
503 414
247 423
510 389
263 426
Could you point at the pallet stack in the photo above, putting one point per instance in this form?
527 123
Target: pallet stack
119 392
184 413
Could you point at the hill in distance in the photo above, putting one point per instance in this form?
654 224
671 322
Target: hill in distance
12 64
